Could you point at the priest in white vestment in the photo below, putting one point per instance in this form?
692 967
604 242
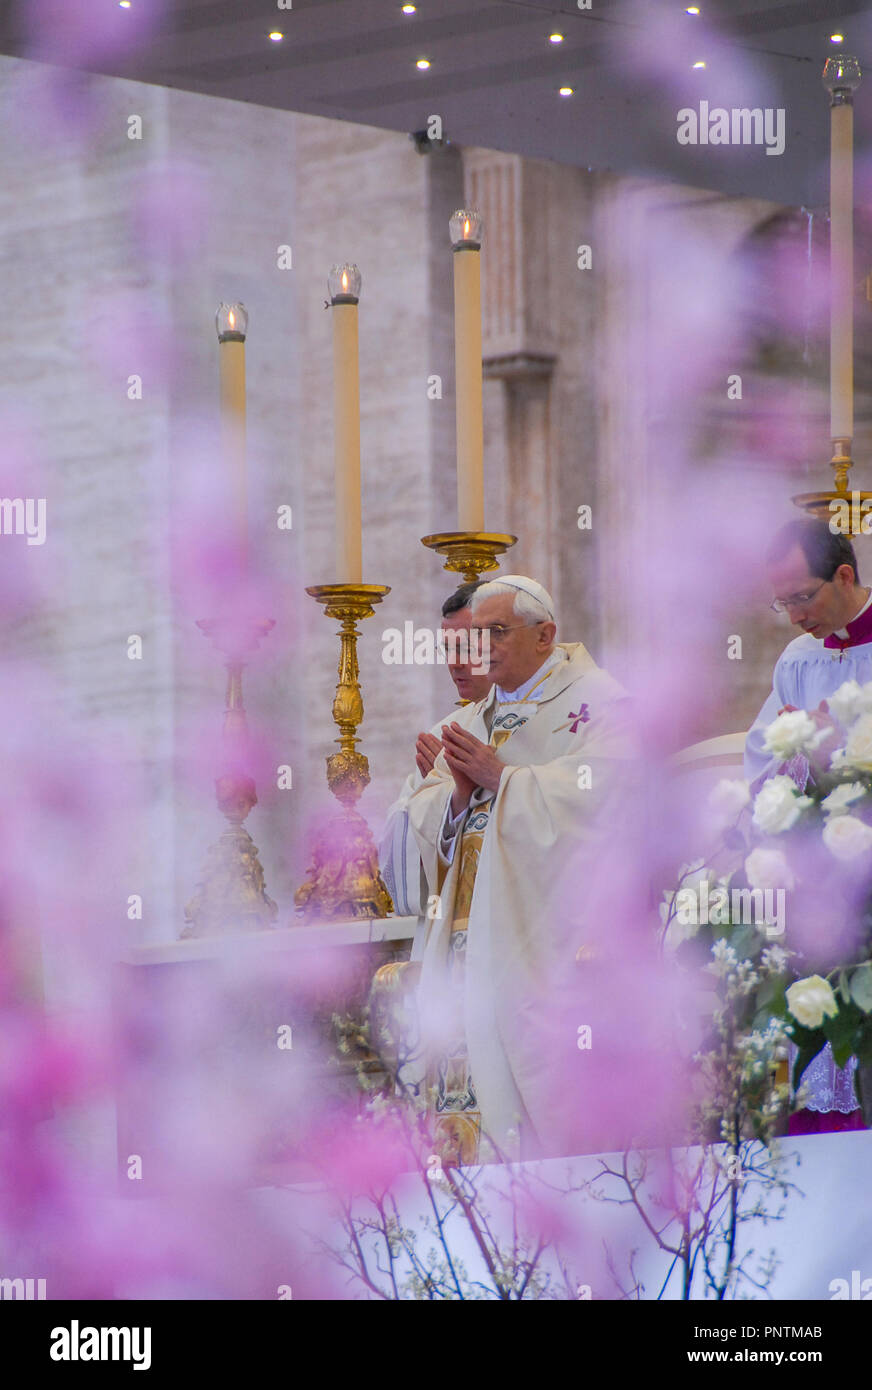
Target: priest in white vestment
522 778
814 575
399 857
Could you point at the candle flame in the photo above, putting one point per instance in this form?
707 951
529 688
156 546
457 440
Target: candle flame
466 228
232 319
344 280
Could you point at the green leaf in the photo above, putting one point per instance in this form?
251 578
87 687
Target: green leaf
771 995
861 988
746 942
806 1037
766 992
844 1032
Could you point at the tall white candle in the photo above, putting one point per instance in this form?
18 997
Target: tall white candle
841 77
465 228
841 272
344 284
232 323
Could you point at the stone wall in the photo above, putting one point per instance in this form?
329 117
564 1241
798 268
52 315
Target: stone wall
114 254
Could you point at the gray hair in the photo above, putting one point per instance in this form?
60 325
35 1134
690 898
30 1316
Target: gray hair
525 606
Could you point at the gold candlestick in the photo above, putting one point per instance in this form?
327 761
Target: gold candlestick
231 895
469 553
344 882
842 509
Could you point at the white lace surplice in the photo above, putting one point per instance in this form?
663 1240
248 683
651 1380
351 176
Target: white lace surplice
827 1086
805 673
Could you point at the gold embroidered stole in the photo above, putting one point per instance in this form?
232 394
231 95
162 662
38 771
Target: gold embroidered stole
472 836
457 1119
504 723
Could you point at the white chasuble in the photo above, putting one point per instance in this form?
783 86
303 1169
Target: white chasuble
398 853
564 747
457 1127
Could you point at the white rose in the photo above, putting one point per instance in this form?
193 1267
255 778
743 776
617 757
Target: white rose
858 749
768 868
810 1000
842 796
847 837
728 798
777 805
850 701
794 732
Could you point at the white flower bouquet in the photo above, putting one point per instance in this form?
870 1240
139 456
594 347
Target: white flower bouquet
813 843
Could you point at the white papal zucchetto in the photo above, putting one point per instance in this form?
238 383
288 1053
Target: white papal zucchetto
526 586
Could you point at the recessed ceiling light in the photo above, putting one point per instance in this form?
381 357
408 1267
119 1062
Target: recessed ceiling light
409 9
566 91
693 9
124 4
555 38
700 64
423 63
837 38
276 36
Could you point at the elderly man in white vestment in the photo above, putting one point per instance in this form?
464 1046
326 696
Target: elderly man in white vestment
813 572
399 858
522 777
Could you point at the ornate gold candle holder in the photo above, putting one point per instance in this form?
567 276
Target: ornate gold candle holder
841 78
231 895
819 504
344 882
470 553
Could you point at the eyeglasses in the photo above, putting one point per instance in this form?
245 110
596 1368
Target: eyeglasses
781 605
498 633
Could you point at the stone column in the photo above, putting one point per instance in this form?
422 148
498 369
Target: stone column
515 197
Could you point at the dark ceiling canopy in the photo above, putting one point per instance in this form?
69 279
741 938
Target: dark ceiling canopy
494 74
